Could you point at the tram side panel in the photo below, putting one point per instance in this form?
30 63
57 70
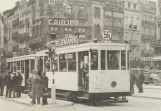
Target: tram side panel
109 82
66 81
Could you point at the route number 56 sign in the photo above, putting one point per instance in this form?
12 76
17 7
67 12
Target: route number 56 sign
107 34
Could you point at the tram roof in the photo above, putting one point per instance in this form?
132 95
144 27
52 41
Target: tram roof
75 48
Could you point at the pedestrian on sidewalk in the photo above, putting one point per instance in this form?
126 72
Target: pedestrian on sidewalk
19 80
140 82
1 83
35 83
14 84
44 87
8 83
132 81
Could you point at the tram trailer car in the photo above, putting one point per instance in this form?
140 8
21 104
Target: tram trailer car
109 76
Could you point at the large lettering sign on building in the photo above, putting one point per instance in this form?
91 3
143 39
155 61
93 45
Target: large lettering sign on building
59 6
66 22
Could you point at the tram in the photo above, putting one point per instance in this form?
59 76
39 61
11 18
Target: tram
108 70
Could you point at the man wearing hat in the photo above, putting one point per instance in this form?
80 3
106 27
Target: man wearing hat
1 83
19 80
8 83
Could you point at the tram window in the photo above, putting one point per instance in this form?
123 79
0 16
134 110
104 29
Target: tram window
22 67
18 65
47 63
15 67
128 64
11 66
113 60
56 63
94 60
8 65
103 65
123 60
62 63
72 62
32 65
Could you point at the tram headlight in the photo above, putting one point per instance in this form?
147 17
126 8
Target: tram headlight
113 84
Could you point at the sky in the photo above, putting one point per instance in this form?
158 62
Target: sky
8 4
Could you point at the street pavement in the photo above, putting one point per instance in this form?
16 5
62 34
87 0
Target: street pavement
138 102
150 91
135 104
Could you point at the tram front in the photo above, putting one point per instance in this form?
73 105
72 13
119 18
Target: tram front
109 75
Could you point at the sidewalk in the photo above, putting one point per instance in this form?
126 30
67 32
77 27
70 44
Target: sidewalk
25 100
150 91
151 86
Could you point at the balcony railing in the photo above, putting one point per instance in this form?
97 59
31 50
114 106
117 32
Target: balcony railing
134 43
21 23
82 16
147 38
15 48
133 27
15 34
148 23
155 43
15 23
147 53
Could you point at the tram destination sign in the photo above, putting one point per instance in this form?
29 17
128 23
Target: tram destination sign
69 41
66 41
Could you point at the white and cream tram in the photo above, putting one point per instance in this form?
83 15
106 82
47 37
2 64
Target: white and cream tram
109 75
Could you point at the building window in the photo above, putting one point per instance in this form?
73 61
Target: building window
72 62
97 12
129 5
134 6
81 10
62 63
69 10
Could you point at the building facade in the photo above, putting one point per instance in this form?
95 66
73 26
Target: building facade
114 19
149 27
29 24
132 25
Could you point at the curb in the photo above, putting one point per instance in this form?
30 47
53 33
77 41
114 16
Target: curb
7 99
150 88
48 106
146 97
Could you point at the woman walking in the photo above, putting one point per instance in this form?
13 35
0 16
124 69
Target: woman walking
35 83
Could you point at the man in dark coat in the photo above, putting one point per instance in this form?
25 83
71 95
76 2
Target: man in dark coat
14 84
140 82
8 83
44 86
132 81
19 80
1 83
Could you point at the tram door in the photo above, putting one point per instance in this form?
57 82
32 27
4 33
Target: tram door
26 70
82 59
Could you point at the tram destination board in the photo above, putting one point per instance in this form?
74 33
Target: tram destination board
69 41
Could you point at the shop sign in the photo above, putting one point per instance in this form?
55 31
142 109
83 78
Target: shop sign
66 22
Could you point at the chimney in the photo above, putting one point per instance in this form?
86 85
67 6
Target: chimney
17 4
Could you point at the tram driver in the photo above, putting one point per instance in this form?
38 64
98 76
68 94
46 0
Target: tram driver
85 71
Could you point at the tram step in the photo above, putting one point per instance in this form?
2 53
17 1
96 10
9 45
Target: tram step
83 98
